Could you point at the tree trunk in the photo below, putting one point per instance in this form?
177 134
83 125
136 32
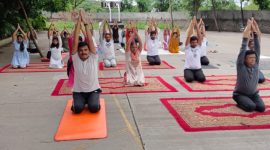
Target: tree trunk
242 13
29 26
171 13
215 15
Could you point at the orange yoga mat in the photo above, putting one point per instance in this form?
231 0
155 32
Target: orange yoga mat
82 126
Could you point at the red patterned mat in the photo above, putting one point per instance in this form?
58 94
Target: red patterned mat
34 67
145 65
116 86
216 83
215 113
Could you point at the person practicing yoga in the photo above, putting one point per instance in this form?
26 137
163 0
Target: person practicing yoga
152 46
31 46
204 59
174 40
115 32
20 57
193 70
107 46
86 89
245 93
65 36
166 36
251 47
56 50
134 74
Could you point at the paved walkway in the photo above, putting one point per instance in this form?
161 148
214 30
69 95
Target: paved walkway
29 116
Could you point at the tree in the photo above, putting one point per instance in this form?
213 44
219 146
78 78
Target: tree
191 5
215 14
143 5
29 27
162 5
263 4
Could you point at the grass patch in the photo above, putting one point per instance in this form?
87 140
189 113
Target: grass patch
60 25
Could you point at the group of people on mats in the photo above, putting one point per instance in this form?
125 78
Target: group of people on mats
82 67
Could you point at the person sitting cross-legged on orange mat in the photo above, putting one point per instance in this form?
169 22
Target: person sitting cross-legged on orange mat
245 93
86 88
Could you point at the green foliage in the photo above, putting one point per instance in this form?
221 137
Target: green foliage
220 5
144 5
263 4
162 5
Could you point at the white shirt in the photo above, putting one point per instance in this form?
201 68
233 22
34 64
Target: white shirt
152 46
204 46
85 73
193 57
107 49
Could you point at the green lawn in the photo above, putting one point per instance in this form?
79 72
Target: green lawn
69 25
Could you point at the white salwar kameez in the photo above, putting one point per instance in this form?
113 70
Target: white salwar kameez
134 74
56 57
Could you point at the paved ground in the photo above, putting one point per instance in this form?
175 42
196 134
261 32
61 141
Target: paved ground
29 116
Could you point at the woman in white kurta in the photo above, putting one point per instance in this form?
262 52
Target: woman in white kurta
20 57
134 74
56 50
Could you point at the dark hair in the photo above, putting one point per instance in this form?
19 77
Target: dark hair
250 52
134 42
152 32
19 35
82 44
21 44
80 38
65 34
193 38
55 45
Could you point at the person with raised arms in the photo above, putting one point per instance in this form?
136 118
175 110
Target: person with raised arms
245 93
134 74
204 59
153 44
56 49
193 69
174 40
86 88
251 47
65 36
20 57
107 46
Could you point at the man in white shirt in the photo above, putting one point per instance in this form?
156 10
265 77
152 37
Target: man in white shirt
152 48
193 70
86 89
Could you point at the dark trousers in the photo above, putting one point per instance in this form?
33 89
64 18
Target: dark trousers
261 77
194 75
153 60
69 66
89 98
249 103
204 60
49 53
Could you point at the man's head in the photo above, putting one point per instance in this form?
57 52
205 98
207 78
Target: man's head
83 51
108 37
153 35
250 58
193 41
251 44
19 38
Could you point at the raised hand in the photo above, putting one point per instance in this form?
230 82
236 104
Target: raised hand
247 30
